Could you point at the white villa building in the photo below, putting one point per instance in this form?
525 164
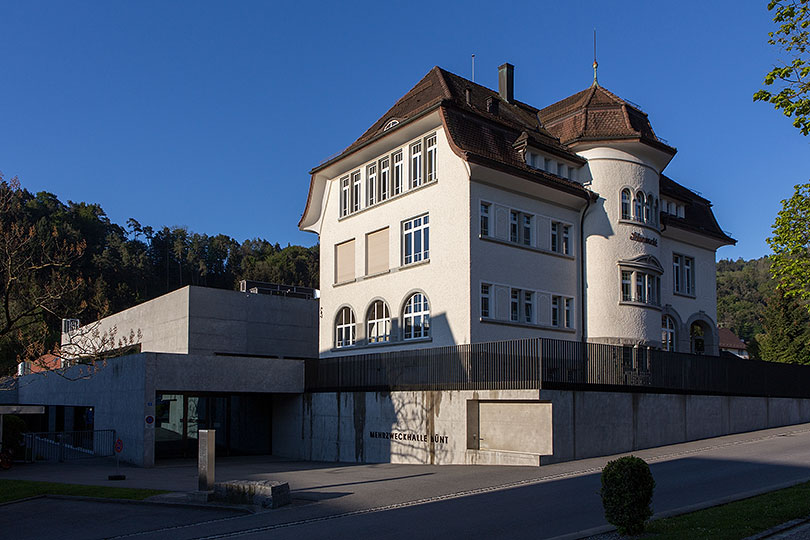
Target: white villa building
463 215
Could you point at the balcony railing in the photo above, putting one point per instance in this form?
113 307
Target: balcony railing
556 364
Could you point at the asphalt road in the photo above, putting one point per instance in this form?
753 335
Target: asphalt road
416 501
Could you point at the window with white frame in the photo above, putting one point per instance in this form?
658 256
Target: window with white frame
528 306
667 333
416 317
416 240
626 204
648 209
562 312
683 273
430 158
569 311
514 305
378 322
485 300
371 184
385 177
520 227
345 196
560 238
640 287
356 185
345 328
638 207
485 211
398 173
416 165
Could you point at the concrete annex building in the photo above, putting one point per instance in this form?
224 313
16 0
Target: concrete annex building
464 215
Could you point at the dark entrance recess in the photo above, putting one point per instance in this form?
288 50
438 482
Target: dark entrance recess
242 422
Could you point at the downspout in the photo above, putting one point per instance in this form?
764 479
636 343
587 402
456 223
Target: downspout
582 267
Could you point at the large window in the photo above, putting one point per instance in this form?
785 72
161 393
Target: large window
344 262
514 305
642 287
416 240
416 164
683 274
485 208
667 333
378 322
560 238
416 317
345 328
377 252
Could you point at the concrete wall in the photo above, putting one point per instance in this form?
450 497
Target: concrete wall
231 322
202 320
123 391
548 426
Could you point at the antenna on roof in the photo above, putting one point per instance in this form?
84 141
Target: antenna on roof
595 63
473 68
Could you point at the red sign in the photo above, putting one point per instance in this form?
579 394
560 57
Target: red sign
119 446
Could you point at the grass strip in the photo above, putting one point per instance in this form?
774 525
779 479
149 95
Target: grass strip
12 490
738 519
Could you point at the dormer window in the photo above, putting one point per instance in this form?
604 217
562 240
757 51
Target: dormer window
390 124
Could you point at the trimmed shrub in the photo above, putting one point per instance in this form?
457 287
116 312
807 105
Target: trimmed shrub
13 429
627 491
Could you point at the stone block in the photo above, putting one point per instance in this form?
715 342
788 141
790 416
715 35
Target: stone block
264 493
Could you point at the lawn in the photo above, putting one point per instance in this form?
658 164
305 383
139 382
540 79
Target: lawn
12 490
738 519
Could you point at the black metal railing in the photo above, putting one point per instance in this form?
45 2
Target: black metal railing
556 364
68 445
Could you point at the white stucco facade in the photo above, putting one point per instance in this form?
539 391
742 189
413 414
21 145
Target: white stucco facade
513 256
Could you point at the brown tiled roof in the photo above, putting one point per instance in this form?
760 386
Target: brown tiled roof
728 340
698 215
598 114
490 139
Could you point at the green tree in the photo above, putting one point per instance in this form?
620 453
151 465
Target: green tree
792 76
790 262
787 331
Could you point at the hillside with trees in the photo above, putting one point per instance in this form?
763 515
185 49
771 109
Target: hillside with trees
68 260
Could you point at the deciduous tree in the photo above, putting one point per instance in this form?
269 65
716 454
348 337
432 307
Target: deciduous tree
792 76
790 262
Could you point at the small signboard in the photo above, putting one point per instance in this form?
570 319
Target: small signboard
119 446
150 420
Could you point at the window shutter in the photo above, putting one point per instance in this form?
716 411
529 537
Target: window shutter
377 252
344 261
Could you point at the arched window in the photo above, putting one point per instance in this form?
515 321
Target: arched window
638 213
697 334
648 209
345 329
668 333
656 215
416 317
626 204
378 322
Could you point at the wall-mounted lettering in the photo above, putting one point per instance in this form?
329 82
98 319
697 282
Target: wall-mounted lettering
638 237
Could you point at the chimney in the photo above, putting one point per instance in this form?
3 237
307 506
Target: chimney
506 82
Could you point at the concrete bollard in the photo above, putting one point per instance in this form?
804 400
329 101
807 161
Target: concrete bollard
206 439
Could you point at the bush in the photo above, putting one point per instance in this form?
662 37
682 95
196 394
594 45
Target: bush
627 491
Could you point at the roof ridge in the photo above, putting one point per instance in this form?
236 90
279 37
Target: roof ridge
447 92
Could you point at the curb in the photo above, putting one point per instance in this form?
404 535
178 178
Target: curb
182 504
779 528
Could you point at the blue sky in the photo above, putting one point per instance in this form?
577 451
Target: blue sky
210 114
